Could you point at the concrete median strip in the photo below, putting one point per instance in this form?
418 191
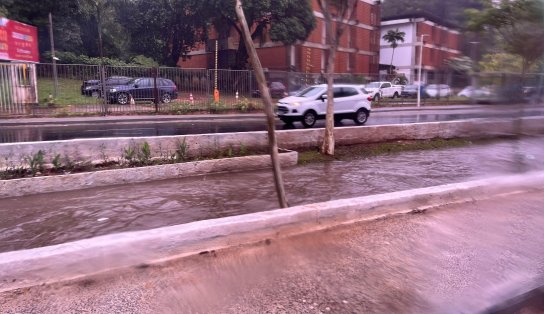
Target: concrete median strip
70 182
80 258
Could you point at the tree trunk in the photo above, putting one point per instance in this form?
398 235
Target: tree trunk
241 55
268 106
391 65
327 147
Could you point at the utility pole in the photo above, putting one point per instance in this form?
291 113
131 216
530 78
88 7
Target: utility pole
474 78
420 66
100 48
53 58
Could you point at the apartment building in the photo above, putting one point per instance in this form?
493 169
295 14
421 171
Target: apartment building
358 50
441 41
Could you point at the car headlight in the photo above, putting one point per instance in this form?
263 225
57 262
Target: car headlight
89 87
113 90
295 104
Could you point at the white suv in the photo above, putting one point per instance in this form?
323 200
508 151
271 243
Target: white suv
350 102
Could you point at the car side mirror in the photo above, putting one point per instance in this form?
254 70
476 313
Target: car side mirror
323 97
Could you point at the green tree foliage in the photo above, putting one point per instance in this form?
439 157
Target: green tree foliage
446 10
393 36
66 21
163 30
520 25
100 16
283 21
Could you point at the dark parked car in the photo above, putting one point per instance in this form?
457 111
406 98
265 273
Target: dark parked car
142 89
277 90
94 88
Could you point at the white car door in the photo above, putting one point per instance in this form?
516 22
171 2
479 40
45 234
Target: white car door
347 100
323 104
386 90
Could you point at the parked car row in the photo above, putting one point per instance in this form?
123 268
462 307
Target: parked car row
513 93
426 91
94 88
120 89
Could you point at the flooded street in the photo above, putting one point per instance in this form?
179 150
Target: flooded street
46 219
12 133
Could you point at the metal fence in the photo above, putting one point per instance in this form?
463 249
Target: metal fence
76 90
33 89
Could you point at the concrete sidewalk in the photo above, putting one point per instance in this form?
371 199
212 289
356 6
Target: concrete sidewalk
164 118
463 258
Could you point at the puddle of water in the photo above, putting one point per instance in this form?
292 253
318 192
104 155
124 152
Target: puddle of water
47 219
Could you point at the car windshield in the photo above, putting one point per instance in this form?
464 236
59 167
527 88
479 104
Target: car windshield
373 85
310 92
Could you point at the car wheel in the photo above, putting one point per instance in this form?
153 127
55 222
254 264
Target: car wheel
123 98
361 116
376 97
166 98
309 118
395 95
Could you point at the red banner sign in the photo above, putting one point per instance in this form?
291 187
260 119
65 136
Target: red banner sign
18 41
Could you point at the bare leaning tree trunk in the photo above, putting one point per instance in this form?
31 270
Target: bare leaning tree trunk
268 106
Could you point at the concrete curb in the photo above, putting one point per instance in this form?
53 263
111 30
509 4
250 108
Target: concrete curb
16 154
80 258
85 180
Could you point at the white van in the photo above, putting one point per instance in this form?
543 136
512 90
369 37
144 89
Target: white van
350 102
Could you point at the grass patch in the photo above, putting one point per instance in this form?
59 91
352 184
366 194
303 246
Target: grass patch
375 149
133 156
69 92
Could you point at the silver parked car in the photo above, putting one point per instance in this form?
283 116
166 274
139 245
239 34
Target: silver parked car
438 90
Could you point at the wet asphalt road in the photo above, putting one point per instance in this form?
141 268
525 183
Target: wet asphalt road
460 258
242 123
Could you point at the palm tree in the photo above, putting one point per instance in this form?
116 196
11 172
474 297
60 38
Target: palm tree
392 37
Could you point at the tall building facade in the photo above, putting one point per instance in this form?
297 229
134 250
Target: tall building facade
440 43
358 51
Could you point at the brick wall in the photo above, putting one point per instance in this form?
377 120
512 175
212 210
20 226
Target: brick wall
194 62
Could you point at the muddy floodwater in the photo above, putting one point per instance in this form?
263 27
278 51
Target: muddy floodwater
46 219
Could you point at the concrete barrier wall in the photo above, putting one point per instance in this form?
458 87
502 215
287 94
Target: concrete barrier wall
15 154
75 259
70 182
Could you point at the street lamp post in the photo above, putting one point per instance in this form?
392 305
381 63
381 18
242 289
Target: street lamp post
419 75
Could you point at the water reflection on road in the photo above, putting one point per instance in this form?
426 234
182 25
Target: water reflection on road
47 219
104 129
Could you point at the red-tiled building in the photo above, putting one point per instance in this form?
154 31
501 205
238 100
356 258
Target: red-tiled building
358 51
